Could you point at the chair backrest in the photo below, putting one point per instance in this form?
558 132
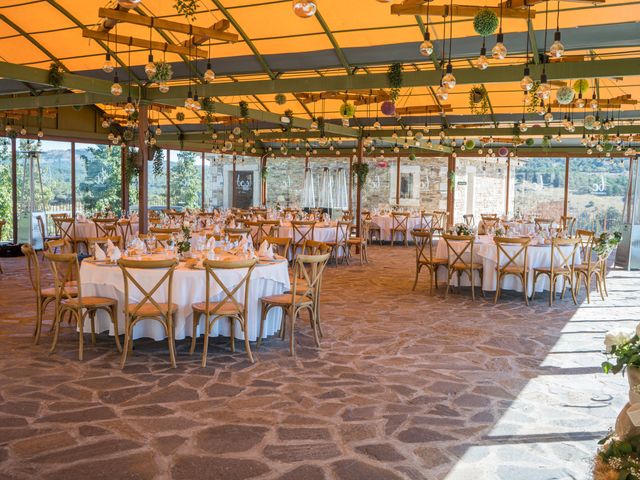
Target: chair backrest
512 252
490 222
426 220
586 239
103 241
423 239
105 227
60 245
229 292
342 232
54 216
169 231
244 232
260 213
365 229
41 227
282 244
347 216
458 246
542 223
366 215
568 224
485 216
563 253
126 231
33 267
302 231
65 270
268 228
469 220
254 231
439 221
314 247
66 227
308 268
400 221
129 267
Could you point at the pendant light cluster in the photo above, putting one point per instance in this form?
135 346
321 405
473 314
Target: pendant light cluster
448 80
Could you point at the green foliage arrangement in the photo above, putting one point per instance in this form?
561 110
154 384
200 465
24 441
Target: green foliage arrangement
321 125
618 459
360 172
347 110
623 351
534 101
462 229
485 22
281 99
188 8
132 166
207 105
470 144
581 86
244 109
164 72
394 79
412 156
478 100
606 243
180 116
529 142
452 180
55 75
158 160
184 239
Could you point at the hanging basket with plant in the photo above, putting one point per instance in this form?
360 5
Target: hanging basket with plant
281 99
164 72
485 22
394 79
479 100
581 86
180 116
55 75
347 110
157 154
187 8
360 172
244 109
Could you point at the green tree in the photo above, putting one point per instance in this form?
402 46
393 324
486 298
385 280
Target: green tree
185 187
5 190
101 188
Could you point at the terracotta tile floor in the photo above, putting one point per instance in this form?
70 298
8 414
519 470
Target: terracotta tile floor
405 386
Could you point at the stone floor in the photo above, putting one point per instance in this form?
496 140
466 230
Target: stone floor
405 386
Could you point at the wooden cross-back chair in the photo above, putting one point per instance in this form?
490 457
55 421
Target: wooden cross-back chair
426 220
125 230
268 228
176 216
439 222
400 224
489 223
562 267
254 231
469 220
300 233
260 213
425 257
148 308
458 246
60 245
69 299
374 229
542 223
568 224
361 242
105 227
512 259
281 244
340 241
591 265
55 216
315 247
102 242
227 307
66 228
44 296
308 270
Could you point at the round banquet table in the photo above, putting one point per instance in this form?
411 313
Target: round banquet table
323 232
484 249
269 278
385 222
87 229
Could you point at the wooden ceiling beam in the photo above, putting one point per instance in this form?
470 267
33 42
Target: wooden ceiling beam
456 11
198 33
422 109
139 42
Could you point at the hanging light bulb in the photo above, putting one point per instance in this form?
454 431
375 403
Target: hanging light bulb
116 88
544 89
449 80
304 8
426 47
558 138
526 84
523 126
376 125
557 48
499 51
580 102
105 123
158 131
548 116
129 108
150 68
40 133
23 131
209 76
195 104
482 63
163 87
594 102
189 100
313 125
108 65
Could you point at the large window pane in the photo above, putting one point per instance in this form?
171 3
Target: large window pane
597 192
285 179
44 185
98 176
186 179
6 207
537 187
480 187
157 184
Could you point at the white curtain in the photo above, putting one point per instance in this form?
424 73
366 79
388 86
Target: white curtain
341 201
308 192
324 192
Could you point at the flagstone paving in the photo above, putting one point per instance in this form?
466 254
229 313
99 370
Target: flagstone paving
405 386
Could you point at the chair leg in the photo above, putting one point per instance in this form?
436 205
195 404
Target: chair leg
80 322
56 328
232 326
473 285
573 296
600 284
172 345
314 324
205 347
588 286
604 278
196 321
39 315
524 288
127 341
262 318
247 346
113 313
495 299
552 289
292 319
415 282
92 317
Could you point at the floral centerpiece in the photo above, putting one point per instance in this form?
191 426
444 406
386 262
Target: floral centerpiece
461 229
500 232
623 348
184 238
618 459
606 243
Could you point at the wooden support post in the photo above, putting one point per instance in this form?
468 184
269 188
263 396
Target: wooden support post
14 189
202 176
263 181
451 189
167 191
506 207
143 156
124 192
350 177
359 190
398 181
565 209
73 180
233 183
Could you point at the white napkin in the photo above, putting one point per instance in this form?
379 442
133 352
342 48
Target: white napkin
110 248
98 253
211 243
266 250
115 254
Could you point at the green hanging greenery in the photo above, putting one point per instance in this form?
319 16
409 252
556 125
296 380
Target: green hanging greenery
180 117
264 172
281 99
360 172
321 126
485 22
181 140
208 105
132 169
479 100
55 75
452 180
534 100
244 109
188 8
158 160
164 72
394 79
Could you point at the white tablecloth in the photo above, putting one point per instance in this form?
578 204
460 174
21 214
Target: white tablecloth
385 222
188 288
485 251
87 229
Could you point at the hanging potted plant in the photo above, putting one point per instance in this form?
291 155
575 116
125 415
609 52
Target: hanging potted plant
394 79
485 22
55 75
347 110
360 172
164 72
244 109
478 100
281 99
